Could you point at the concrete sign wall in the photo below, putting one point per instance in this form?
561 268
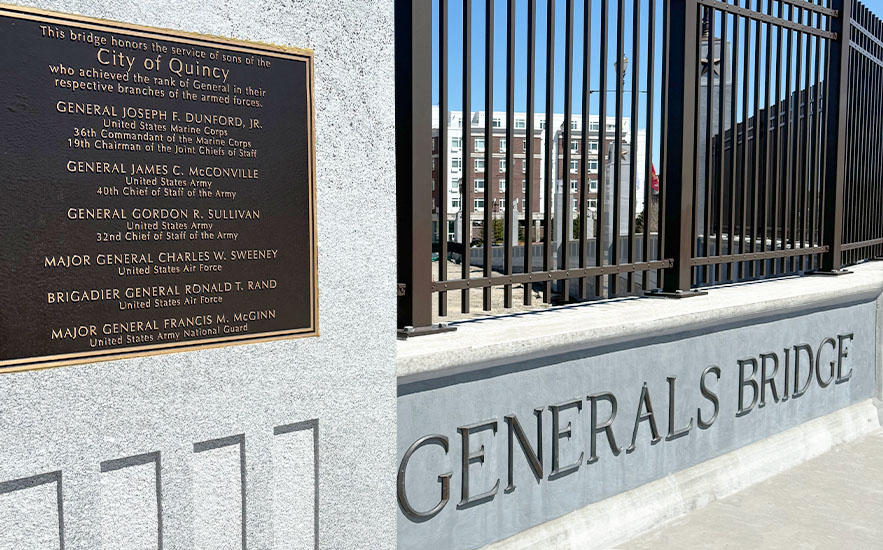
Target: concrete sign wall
488 453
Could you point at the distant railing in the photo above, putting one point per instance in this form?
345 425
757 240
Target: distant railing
768 131
863 193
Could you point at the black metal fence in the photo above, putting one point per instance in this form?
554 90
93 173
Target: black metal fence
762 115
863 193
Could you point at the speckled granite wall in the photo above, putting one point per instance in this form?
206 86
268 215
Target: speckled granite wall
217 449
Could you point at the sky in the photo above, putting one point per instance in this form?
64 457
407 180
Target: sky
455 53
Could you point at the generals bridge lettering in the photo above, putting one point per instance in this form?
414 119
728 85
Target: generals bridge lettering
764 380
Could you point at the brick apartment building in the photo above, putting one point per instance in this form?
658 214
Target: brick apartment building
479 174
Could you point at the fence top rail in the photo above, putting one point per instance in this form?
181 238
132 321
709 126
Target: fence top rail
771 19
856 25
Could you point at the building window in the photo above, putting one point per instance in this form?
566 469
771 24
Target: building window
479 186
451 230
524 145
573 124
433 164
542 125
593 204
524 166
456 164
574 186
502 165
497 123
455 202
573 204
524 186
455 187
593 126
479 145
593 166
593 146
611 127
502 185
502 145
574 146
478 204
479 165
456 143
574 166
593 185
519 123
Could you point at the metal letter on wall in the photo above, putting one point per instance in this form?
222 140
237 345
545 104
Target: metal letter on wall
158 191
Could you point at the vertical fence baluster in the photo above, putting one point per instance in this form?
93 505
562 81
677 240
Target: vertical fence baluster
812 84
528 147
698 175
755 194
797 181
616 203
442 168
566 211
489 169
803 101
781 182
602 147
663 133
648 145
835 150
466 202
817 139
584 147
509 236
709 141
633 146
550 134
721 137
734 140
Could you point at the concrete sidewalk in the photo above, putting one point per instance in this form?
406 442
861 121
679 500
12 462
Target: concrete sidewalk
832 501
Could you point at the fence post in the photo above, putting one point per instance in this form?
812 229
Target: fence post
836 100
678 172
413 78
413 102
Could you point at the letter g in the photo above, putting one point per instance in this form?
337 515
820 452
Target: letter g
444 479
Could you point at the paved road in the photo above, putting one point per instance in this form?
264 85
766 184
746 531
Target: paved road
833 501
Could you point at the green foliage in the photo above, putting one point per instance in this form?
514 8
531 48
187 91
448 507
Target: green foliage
498 231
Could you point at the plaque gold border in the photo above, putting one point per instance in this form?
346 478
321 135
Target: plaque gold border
232 44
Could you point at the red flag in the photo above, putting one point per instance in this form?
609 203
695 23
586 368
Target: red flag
654 179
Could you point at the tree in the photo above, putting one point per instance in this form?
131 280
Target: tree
498 231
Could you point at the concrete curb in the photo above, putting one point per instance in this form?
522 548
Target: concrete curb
615 520
498 341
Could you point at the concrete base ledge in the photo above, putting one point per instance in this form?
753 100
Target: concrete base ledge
617 519
485 343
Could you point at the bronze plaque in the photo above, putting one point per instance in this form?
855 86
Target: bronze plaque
158 191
